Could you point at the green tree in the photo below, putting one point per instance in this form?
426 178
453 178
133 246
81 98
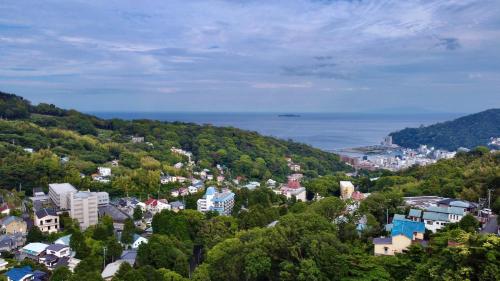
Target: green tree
137 213
35 235
114 249
128 232
61 273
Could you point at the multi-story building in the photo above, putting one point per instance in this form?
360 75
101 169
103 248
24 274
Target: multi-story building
346 189
47 220
83 207
102 198
59 194
436 218
222 202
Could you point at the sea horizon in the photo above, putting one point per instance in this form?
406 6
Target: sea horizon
327 131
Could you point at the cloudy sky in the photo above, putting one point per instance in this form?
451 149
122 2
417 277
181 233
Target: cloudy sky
278 56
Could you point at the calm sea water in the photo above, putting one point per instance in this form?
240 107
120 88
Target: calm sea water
328 131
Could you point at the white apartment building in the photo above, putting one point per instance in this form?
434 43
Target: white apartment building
102 198
47 220
83 207
59 194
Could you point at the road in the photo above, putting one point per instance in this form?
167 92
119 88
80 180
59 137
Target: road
491 226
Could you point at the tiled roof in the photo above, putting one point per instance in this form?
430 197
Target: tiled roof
435 216
45 212
56 247
447 210
382 240
415 213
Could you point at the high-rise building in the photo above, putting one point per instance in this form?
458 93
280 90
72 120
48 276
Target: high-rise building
83 207
59 194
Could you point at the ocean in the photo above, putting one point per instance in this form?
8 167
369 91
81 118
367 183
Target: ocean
327 131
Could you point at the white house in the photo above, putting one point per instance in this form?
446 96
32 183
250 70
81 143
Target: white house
47 220
436 218
104 171
178 165
138 240
155 206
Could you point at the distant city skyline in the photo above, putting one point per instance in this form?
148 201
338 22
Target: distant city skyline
253 56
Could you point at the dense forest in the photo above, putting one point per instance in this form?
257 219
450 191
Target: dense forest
88 142
468 131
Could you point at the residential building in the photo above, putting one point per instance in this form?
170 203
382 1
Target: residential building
55 255
176 206
293 188
156 206
11 242
271 183
252 185
24 273
83 207
346 189
5 209
102 198
403 234
3 264
47 220
104 171
415 215
12 225
436 218
33 251
59 194
222 202
137 139
138 240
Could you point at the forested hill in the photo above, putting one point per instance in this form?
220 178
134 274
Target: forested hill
468 131
90 141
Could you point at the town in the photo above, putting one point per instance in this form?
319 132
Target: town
40 231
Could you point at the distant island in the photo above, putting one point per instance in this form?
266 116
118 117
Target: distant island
289 115
468 131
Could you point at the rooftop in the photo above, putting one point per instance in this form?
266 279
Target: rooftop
56 247
16 274
407 228
447 210
62 187
382 240
35 247
45 212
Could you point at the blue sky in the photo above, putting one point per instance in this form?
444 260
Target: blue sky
277 56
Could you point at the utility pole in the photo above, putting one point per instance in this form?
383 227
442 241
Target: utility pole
104 257
489 198
387 215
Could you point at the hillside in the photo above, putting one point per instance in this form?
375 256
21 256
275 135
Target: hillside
90 141
468 131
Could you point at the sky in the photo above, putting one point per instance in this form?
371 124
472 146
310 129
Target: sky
253 56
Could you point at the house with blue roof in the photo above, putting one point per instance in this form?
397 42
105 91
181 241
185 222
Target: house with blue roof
20 274
404 232
222 202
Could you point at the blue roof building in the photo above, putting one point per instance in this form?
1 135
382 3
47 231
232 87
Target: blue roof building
222 202
20 274
407 228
